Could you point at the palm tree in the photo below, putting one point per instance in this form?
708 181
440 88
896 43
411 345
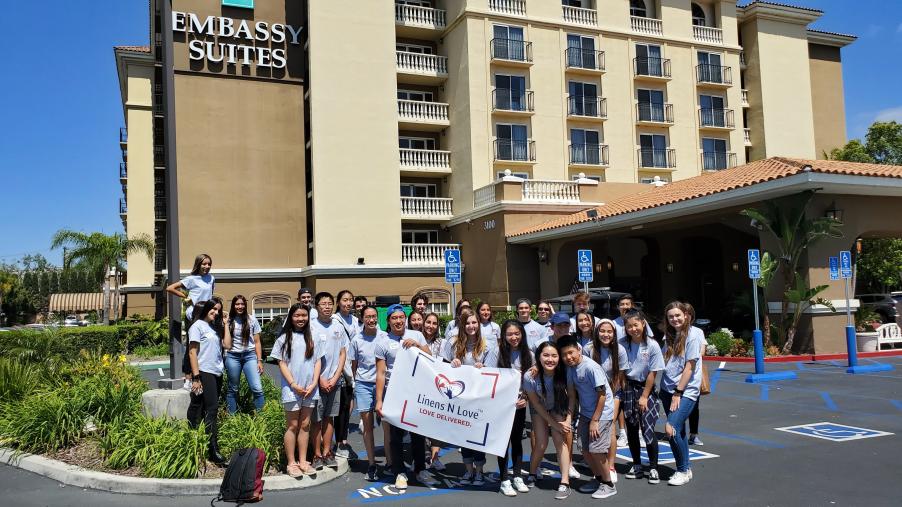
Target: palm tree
788 222
103 253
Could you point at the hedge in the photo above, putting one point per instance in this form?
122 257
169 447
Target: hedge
120 339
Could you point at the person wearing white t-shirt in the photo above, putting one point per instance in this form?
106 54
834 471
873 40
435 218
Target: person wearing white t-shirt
331 336
624 306
245 355
451 327
199 285
581 304
489 329
535 333
435 343
305 297
205 357
363 362
349 321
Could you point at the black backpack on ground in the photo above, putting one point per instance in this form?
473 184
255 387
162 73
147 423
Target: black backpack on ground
243 480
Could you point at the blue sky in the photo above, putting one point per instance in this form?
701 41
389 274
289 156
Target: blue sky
59 150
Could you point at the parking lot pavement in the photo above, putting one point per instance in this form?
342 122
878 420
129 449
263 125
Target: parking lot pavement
827 438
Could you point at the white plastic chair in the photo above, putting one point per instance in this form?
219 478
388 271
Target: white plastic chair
889 334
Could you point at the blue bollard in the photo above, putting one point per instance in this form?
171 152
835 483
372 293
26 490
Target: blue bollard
854 367
759 375
759 351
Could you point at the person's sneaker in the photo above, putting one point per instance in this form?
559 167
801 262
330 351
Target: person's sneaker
622 441
604 491
401 481
330 461
437 465
563 491
519 485
294 470
425 479
542 472
507 489
467 478
589 487
317 463
690 473
478 479
635 472
372 473
573 473
530 481
613 475
694 440
678 479
340 452
653 477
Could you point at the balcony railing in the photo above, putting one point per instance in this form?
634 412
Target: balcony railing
654 112
123 206
589 154
123 170
424 17
434 208
425 253
589 59
580 16
513 50
159 208
657 159
747 136
159 256
718 118
742 58
551 191
425 160
717 160
515 7
124 154
652 67
418 63
484 196
504 99
745 98
419 111
707 34
714 74
648 26
594 107
515 151
159 156
158 104
123 135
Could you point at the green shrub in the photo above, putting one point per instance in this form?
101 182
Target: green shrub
67 341
161 448
35 347
265 430
43 421
722 339
149 351
18 379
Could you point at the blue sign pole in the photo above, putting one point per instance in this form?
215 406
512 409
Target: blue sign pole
452 272
754 260
845 271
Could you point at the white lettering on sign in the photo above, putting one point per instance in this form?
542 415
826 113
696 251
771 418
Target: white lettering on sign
233 51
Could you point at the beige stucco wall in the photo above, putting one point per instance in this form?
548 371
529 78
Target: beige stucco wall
828 104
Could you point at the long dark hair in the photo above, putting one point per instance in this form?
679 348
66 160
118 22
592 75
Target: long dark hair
200 260
579 333
431 340
201 309
613 350
676 338
288 330
504 348
338 298
479 313
218 324
636 314
245 320
412 313
561 401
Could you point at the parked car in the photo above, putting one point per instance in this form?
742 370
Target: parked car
602 303
883 305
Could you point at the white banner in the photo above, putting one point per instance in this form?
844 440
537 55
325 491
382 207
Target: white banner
466 406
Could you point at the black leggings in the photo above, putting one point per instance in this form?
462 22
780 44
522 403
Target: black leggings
417 449
693 418
516 449
206 405
633 436
343 419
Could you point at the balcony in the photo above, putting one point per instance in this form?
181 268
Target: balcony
707 34
512 52
426 208
123 207
414 161
159 156
159 208
416 22
124 155
742 59
646 26
512 7
421 68
588 61
587 108
158 104
426 254
419 115
507 150
715 119
745 98
123 171
663 159
653 113
714 75
747 136
580 16
512 189
718 160
159 256
651 68
123 136
589 155
518 102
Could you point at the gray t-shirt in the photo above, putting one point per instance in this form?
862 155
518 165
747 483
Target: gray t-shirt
363 350
620 328
200 288
531 384
535 334
300 367
469 358
387 349
209 353
588 379
675 364
604 359
236 331
331 338
644 358
491 332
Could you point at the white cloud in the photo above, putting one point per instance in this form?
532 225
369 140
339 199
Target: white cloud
891 114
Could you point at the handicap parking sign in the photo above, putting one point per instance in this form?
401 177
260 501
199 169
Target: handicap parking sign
833 432
665 454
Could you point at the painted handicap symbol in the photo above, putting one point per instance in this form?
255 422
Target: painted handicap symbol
833 431
584 258
452 258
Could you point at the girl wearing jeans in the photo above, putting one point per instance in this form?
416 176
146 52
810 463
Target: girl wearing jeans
640 401
680 384
245 355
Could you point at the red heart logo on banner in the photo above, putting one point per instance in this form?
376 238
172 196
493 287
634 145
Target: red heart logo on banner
448 388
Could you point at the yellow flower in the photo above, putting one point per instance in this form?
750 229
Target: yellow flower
122 358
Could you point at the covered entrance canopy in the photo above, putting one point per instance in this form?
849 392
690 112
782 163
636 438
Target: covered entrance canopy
686 240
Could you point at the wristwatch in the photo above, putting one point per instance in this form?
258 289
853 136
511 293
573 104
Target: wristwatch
195 377
678 391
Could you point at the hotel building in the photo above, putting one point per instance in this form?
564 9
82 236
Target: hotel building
347 144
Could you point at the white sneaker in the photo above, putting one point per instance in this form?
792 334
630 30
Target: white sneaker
401 481
478 479
613 475
604 491
507 489
573 473
437 465
425 479
622 441
678 479
690 474
653 477
544 472
520 486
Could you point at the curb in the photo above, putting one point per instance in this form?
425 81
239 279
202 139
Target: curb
804 357
73 475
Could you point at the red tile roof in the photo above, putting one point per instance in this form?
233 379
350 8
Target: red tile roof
137 49
716 182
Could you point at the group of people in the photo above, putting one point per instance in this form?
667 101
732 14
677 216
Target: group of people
580 377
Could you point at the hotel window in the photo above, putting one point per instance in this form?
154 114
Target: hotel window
712 111
698 15
414 237
512 142
416 143
583 99
651 179
714 154
515 174
415 3
581 51
653 151
585 147
585 4
508 43
415 95
510 93
638 9
413 48
419 190
648 60
709 67
267 307
651 105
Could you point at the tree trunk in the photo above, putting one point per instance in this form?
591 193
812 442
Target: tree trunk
106 296
116 295
790 336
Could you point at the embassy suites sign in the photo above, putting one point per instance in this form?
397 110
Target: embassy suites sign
241 42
